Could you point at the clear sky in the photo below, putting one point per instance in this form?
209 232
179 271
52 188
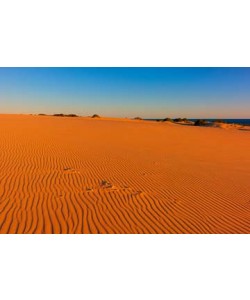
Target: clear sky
127 92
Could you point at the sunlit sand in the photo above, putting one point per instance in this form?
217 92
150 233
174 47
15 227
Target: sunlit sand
107 175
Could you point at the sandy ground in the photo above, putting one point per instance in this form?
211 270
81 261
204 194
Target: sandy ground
83 175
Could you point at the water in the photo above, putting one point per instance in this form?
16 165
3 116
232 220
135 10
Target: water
229 121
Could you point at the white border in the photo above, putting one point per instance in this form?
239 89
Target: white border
124 267
124 33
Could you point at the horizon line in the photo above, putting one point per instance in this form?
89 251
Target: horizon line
127 117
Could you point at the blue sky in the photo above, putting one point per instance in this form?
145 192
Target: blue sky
127 92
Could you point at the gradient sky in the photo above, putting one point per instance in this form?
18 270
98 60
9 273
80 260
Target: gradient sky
127 92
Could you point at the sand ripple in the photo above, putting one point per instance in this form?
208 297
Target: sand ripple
109 176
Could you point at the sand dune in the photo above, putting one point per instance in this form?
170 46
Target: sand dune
229 126
83 175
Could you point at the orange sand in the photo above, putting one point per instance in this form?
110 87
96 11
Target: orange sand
83 175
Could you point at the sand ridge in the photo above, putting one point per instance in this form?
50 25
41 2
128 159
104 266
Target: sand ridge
83 175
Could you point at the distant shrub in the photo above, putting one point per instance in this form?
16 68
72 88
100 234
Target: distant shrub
42 115
137 118
181 120
95 116
200 123
71 115
58 115
219 121
167 120
63 115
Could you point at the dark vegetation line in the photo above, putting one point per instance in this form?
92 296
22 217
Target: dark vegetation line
197 122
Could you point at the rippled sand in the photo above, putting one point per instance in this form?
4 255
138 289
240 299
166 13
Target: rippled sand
83 175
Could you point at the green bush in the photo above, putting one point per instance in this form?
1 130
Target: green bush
58 115
63 115
180 120
219 121
71 115
200 123
167 120
177 120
